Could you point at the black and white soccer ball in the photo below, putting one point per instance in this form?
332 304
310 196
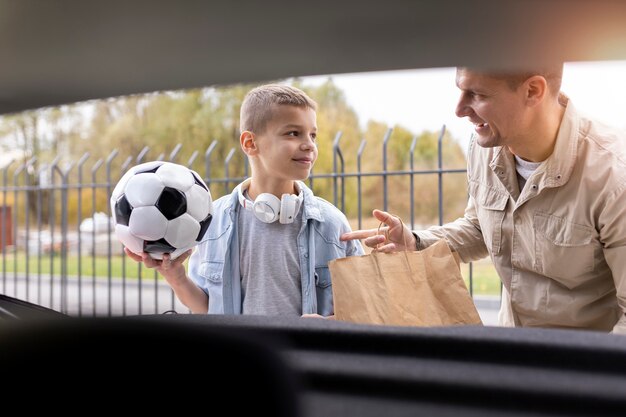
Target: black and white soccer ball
160 207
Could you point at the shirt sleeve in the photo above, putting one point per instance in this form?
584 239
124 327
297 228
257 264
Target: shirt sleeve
463 235
613 237
193 269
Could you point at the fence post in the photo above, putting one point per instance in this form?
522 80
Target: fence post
16 175
337 154
385 141
412 181
138 160
29 166
174 153
227 170
142 154
192 158
207 163
123 169
359 186
3 225
94 171
64 240
42 169
110 159
51 212
79 219
440 172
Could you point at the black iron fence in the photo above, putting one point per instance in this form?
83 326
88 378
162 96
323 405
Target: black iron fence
56 240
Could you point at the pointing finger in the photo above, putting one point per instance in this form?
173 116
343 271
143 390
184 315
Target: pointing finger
358 234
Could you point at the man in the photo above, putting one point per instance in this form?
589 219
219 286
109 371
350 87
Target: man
547 202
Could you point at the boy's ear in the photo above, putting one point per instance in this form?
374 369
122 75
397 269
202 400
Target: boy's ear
248 145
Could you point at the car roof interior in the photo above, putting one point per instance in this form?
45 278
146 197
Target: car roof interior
69 50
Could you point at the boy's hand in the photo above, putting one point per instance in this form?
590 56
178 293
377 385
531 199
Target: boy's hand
396 236
172 270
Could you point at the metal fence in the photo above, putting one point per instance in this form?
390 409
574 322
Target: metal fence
78 267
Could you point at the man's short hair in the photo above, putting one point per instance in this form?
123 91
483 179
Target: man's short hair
553 73
257 106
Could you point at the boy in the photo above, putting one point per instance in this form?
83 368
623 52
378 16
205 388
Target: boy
267 249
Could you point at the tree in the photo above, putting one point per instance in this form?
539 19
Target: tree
198 117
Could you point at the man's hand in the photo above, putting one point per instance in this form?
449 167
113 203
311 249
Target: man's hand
394 237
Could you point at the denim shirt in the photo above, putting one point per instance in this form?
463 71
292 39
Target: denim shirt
214 265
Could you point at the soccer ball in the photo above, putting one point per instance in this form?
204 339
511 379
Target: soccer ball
161 207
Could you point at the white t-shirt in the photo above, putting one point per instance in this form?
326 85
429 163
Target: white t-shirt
524 170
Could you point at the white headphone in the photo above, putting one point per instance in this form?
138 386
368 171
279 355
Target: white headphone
268 208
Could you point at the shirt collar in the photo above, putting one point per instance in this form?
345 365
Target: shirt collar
557 169
560 164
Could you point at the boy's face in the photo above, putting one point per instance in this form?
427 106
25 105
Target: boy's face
287 147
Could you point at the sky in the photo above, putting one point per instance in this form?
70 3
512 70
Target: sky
425 99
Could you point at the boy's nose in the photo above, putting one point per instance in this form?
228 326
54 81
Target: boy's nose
308 144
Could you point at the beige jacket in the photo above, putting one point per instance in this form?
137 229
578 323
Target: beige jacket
559 246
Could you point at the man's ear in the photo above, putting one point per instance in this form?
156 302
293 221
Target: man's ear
248 145
536 88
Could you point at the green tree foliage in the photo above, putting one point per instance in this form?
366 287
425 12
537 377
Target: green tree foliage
158 122
335 120
422 195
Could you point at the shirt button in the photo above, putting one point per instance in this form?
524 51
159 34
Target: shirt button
306 255
534 186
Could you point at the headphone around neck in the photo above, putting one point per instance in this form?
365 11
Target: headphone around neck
268 208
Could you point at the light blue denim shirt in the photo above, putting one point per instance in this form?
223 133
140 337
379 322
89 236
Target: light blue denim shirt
214 265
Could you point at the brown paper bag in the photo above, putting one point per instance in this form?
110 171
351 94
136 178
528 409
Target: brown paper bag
422 288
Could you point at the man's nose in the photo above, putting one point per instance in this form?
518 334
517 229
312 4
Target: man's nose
462 109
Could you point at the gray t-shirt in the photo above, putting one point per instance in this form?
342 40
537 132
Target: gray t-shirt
270 270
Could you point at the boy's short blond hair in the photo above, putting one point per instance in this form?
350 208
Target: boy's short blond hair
256 108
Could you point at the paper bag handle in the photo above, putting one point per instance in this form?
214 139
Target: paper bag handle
387 231
405 251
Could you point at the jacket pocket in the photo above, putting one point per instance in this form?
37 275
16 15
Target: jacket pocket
212 271
323 291
490 210
563 250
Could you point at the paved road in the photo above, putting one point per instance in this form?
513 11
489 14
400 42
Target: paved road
99 297
102 298
488 307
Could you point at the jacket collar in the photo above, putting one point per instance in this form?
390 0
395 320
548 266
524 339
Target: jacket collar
556 170
559 165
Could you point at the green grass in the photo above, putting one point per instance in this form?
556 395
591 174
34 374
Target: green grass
88 264
485 278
